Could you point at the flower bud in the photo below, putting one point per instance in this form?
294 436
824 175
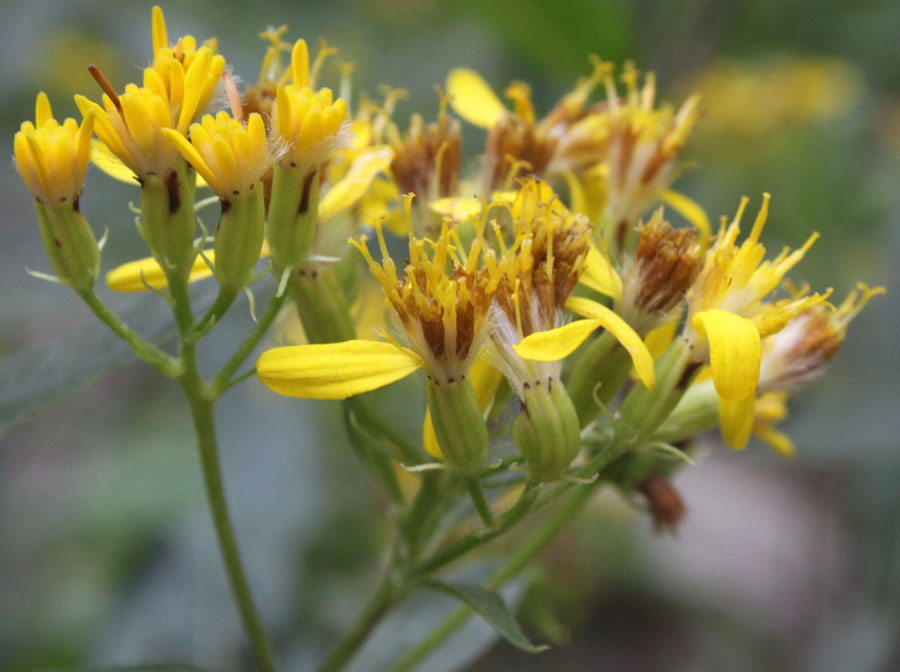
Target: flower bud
167 218
322 305
547 431
293 215
70 245
239 239
458 424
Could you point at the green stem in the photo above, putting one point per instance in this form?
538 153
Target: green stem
385 595
221 382
523 555
481 503
159 360
202 415
455 549
201 398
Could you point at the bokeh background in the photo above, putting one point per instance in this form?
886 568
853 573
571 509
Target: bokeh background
107 555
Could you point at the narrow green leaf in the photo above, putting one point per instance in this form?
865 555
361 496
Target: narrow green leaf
491 607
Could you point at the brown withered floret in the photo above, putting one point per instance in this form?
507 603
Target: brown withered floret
424 151
519 140
260 99
668 263
666 505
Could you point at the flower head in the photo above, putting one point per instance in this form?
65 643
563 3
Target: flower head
657 278
539 271
442 300
309 122
52 157
427 158
568 138
231 157
799 352
728 315
176 88
645 142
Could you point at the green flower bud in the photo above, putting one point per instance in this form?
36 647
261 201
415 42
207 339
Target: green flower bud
70 244
293 215
167 218
322 305
458 424
546 431
239 239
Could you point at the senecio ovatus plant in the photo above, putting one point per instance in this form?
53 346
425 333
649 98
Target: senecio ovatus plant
570 336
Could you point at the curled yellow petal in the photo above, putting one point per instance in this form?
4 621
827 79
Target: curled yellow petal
628 337
127 277
554 344
736 419
735 351
334 370
473 99
599 274
691 211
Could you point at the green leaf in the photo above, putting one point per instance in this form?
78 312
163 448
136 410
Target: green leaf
35 378
491 607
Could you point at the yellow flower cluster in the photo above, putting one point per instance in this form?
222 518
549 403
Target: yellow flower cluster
490 283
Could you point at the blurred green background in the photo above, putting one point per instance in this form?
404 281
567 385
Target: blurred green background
106 549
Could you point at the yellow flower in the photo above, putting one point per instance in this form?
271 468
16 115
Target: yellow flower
443 315
728 316
135 276
308 121
798 353
556 242
176 88
568 138
230 156
52 157
645 142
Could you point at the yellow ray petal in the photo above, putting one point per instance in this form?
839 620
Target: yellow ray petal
473 99
334 370
691 211
659 339
599 275
554 344
778 441
111 164
609 320
354 185
735 351
736 419
127 277
457 207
